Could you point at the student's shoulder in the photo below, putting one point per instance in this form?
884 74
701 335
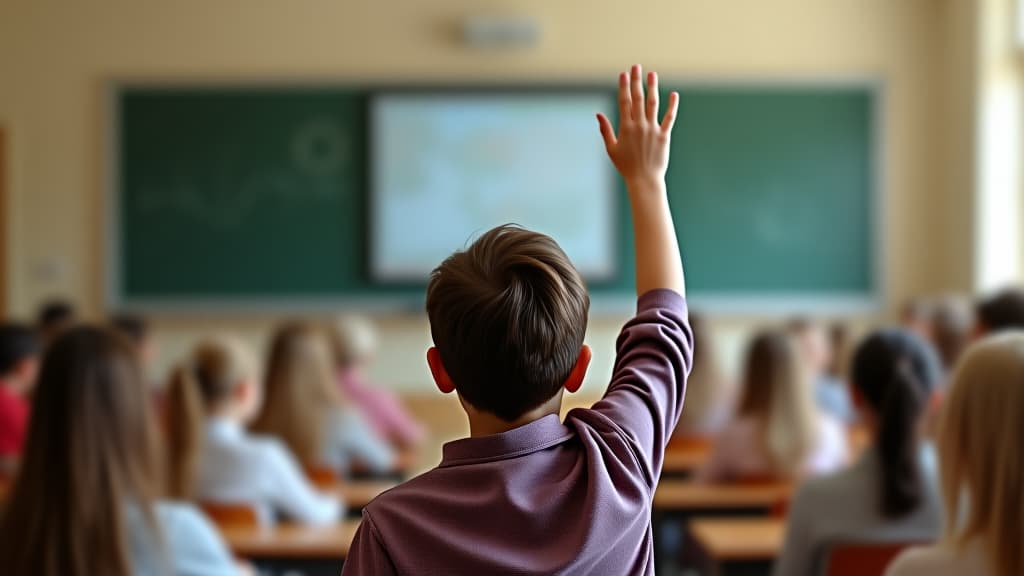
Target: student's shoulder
265 446
182 520
420 492
937 560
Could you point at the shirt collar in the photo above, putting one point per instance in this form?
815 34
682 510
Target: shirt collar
537 435
224 428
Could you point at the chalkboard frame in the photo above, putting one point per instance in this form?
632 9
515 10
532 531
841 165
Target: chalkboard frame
604 303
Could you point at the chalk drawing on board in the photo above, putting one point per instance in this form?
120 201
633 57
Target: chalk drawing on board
317 156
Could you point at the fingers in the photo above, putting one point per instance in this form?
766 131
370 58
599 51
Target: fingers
652 97
636 92
607 132
625 102
670 113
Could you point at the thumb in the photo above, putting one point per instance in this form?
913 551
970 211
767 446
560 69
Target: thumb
607 132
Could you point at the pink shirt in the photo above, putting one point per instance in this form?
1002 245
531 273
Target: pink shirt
381 408
13 421
738 452
569 498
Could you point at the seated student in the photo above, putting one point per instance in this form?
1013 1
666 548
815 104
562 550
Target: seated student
307 412
951 324
85 501
54 317
891 493
355 343
710 395
135 329
526 494
1001 311
777 432
211 398
19 359
830 393
982 468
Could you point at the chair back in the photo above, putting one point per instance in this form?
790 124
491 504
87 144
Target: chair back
323 477
234 514
862 558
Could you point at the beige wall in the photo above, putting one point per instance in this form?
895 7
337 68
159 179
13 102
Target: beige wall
56 56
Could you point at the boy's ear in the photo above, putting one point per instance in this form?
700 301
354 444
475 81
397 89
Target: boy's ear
856 397
579 371
441 379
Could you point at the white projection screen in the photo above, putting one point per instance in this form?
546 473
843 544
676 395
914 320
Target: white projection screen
448 166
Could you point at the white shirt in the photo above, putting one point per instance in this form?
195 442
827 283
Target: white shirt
846 507
738 451
349 437
188 545
941 560
236 466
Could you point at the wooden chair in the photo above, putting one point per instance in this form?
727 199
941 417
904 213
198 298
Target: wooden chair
323 477
231 514
862 558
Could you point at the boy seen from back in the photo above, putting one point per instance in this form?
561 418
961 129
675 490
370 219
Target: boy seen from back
19 363
526 493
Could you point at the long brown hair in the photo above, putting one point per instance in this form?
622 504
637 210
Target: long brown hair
91 450
200 384
777 395
300 390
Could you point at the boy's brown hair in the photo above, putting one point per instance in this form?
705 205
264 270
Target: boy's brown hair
508 316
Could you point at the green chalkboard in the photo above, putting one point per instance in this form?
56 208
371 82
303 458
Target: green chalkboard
242 194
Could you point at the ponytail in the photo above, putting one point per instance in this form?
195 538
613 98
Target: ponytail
903 403
895 372
185 416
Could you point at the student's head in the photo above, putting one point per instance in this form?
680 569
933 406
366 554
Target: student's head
353 341
813 343
218 379
508 316
1001 311
777 393
136 330
19 357
91 450
54 316
980 451
300 389
916 316
711 388
951 326
894 374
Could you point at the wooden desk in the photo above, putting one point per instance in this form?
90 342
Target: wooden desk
733 539
293 549
738 546
359 493
684 495
291 540
684 460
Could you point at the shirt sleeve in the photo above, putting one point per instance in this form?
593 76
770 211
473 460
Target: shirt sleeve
367 555
798 553
401 426
198 549
292 494
357 441
654 354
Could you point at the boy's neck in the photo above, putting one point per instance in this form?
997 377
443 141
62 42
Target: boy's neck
486 424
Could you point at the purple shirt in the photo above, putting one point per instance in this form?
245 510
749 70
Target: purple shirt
547 497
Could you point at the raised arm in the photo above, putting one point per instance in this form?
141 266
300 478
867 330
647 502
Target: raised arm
640 153
654 352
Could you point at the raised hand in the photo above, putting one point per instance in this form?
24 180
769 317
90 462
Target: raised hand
640 150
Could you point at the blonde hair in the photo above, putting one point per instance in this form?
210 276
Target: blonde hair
300 390
777 394
353 338
979 447
200 384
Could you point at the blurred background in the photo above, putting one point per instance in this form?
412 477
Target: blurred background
221 167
